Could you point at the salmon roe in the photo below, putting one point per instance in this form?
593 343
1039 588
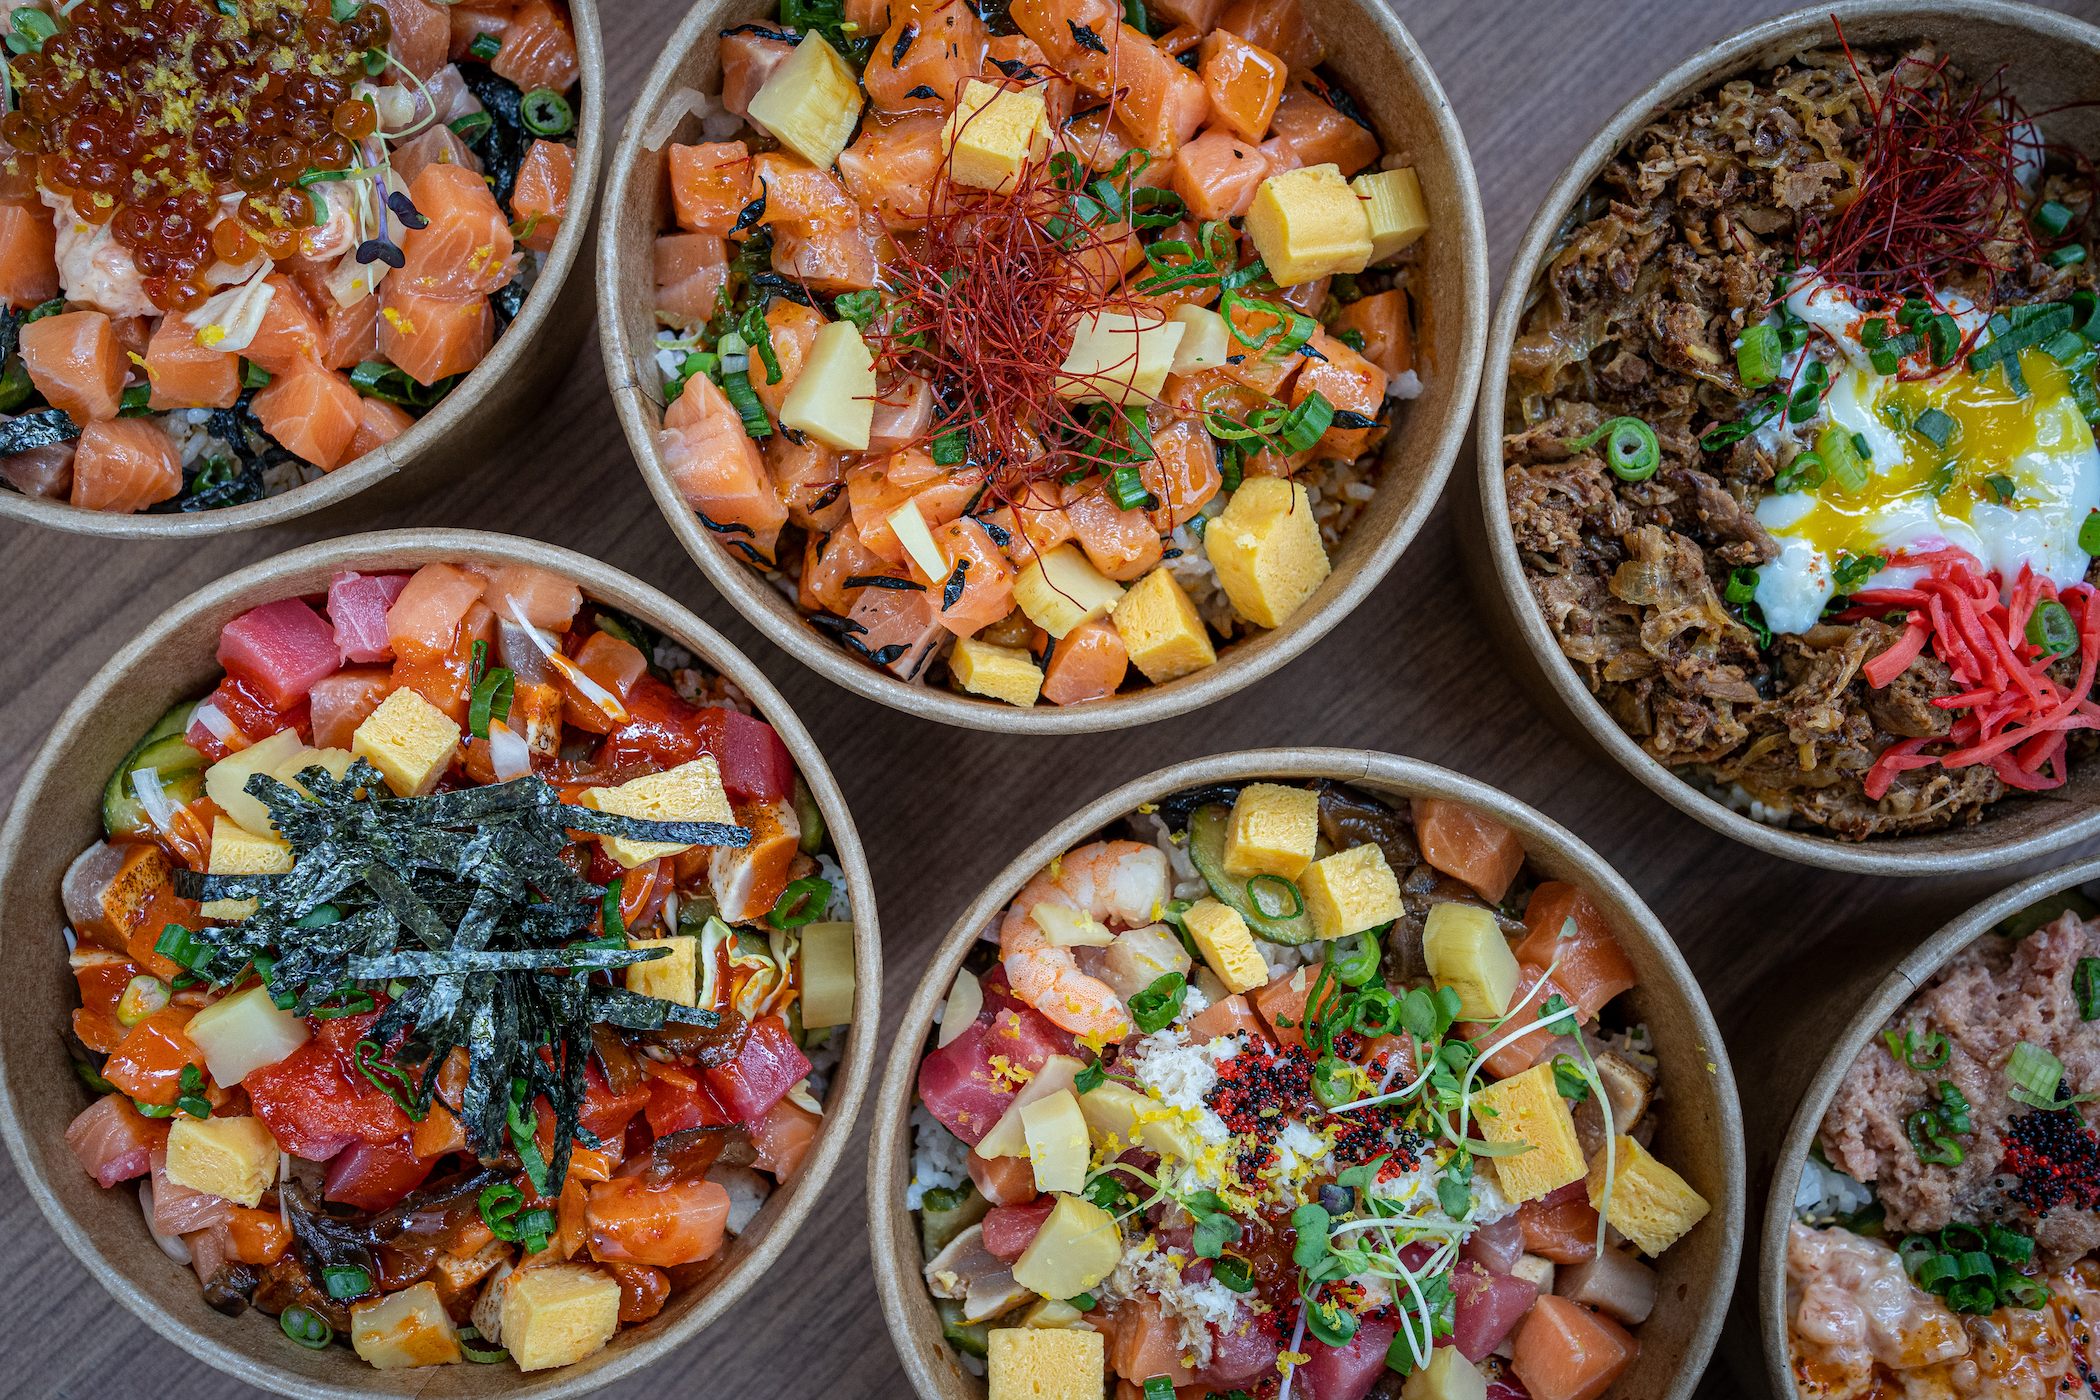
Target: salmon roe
149 113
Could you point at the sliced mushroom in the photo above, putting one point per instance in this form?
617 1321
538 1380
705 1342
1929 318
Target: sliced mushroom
1627 1087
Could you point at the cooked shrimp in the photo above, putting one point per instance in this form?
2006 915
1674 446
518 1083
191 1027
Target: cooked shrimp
1120 882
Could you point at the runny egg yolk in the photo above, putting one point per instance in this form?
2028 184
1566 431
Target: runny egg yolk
2000 449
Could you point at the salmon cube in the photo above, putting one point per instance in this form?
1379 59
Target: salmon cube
183 374
978 589
898 630
719 471
1563 1351
1182 475
433 337
345 700
470 22
875 488
944 49
895 166
1087 663
1161 102
1121 543
710 185
1199 15
1381 319
1280 26
75 362
811 480
28 261
465 249
124 464
1352 384
378 423
538 49
1217 175
1317 134
349 334
419 34
691 271
1054 24
829 260
290 334
1244 83
541 195
315 414
829 560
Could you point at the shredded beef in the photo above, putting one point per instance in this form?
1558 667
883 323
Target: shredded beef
1667 258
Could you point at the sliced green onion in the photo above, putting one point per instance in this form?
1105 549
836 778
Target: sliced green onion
2064 346
1233 1272
1928 1142
802 902
609 918
2052 218
472 127
1330 1084
1808 392
345 1281
2050 628
744 399
305 1328
546 112
1757 355
485 47
1269 905
1355 958
2035 1074
1935 427
2070 255
2085 985
1630 447
1127 489
486 1356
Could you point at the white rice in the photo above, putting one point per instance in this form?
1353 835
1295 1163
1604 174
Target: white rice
1735 798
938 1157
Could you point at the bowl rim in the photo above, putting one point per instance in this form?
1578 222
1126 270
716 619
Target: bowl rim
894 1243
1713 63
597 580
1247 662
510 350
1899 986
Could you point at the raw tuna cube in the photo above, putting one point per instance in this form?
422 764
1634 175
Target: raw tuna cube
280 649
1347 1372
762 1072
755 765
357 604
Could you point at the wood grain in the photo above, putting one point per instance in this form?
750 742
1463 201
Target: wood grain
943 810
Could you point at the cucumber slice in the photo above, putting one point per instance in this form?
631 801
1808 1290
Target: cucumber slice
947 1211
164 749
1207 850
811 817
975 1338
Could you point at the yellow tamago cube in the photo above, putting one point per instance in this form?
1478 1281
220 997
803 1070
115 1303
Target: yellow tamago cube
994 133
1308 224
1528 1108
234 1158
1650 1204
1161 630
237 851
1350 891
409 740
811 102
558 1314
1045 1363
672 978
1267 551
691 792
1003 673
1222 937
1393 204
404 1329
1061 589
1272 831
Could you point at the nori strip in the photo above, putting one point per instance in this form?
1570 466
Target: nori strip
504 148
507 301
40 428
473 884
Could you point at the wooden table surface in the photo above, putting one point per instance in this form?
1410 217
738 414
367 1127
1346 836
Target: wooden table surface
943 810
